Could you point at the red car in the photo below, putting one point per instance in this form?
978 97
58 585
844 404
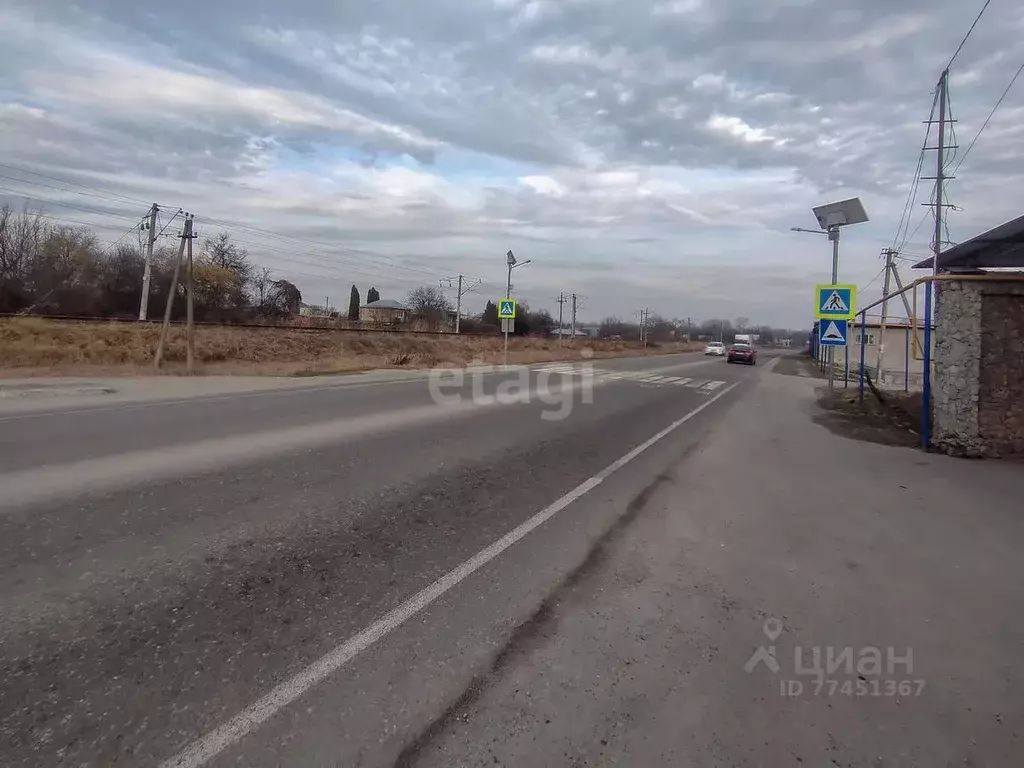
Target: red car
742 353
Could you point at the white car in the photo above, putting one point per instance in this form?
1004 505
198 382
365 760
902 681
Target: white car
715 348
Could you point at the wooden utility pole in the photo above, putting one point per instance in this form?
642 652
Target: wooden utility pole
147 271
190 339
186 236
572 332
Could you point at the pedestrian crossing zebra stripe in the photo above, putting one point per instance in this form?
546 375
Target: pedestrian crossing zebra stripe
557 367
581 369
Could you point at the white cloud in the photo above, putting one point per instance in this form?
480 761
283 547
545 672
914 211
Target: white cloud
736 127
110 83
589 135
544 185
677 7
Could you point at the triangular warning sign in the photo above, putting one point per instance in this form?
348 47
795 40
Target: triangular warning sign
834 303
832 333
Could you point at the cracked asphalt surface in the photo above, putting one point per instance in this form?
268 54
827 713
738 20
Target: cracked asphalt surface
141 613
239 580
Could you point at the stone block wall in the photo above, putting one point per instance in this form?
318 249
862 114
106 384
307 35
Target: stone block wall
978 382
1001 375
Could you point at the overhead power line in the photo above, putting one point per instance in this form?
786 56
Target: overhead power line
169 221
332 257
332 250
51 217
324 258
908 207
332 270
969 31
989 118
130 230
59 204
105 193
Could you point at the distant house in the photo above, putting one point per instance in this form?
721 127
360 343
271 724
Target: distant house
384 312
313 310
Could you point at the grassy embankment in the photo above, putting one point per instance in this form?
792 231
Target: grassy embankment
36 347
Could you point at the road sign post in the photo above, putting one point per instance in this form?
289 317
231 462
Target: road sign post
835 302
834 305
507 315
833 333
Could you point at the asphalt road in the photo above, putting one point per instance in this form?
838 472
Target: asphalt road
311 576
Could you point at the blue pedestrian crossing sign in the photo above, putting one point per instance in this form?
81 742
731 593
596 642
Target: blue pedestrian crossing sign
835 302
832 333
506 309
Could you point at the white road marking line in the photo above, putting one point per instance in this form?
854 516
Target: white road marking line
693 384
136 405
683 382
555 369
711 386
672 379
213 743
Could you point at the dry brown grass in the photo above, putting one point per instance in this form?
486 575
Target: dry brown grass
35 347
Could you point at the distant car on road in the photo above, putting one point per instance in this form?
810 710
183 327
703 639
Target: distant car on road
715 348
742 353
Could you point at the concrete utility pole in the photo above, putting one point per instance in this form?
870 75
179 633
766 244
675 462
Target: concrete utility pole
940 162
929 287
462 291
890 254
572 332
147 271
190 331
561 301
186 236
458 307
906 305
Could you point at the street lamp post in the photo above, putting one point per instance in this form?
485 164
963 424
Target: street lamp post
510 260
831 217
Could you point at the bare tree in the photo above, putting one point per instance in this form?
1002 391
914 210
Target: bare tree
227 275
428 301
21 242
284 298
260 287
221 252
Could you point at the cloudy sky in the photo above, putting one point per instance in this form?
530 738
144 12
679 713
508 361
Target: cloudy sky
640 152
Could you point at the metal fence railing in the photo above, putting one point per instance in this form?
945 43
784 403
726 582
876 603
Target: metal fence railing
912 342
